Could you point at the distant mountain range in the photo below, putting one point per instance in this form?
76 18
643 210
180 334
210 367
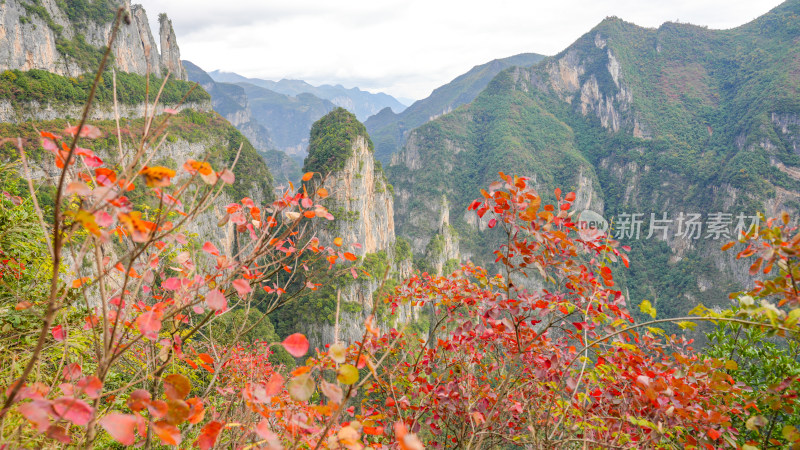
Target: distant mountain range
268 133
277 116
389 129
361 103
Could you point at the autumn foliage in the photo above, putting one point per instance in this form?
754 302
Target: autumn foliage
546 354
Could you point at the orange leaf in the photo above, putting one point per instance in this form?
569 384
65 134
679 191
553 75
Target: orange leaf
322 192
158 176
308 175
169 434
349 256
139 230
80 282
208 435
176 386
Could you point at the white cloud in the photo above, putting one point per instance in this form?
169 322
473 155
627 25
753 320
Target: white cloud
405 48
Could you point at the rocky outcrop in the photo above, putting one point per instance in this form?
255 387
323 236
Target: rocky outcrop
34 111
570 81
442 250
149 47
362 202
170 53
36 36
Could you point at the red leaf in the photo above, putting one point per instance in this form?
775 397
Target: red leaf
349 256
171 284
72 371
492 223
37 413
58 333
227 176
273 386
210 248
296 345
58 433
138 400
216 300
91 386
714 434
72 409
242 287
120 426
149 325
570 197
208 435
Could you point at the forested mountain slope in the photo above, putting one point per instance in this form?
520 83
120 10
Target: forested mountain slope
675 120
389 128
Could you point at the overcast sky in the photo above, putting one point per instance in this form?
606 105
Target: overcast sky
405 48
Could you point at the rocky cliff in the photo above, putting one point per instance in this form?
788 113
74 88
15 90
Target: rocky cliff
671 121
43 35
361 201
170 53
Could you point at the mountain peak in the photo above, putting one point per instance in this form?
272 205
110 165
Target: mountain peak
332 139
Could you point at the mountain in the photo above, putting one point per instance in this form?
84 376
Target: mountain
389 128
231 101
288 119
362 204
361 103
67 38
677 120
46 78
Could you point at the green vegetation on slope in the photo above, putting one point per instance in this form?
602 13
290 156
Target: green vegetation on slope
704 119
220 138
331 141
388 129
45 87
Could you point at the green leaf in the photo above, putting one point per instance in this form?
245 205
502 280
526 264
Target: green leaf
647 308
790 433
348 374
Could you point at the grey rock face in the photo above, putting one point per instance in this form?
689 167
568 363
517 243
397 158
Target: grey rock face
27 41
170 53
360 195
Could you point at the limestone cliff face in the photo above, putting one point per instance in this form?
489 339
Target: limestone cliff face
170 53
568 78
443 249
27 42
362 203
34 111
29 39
